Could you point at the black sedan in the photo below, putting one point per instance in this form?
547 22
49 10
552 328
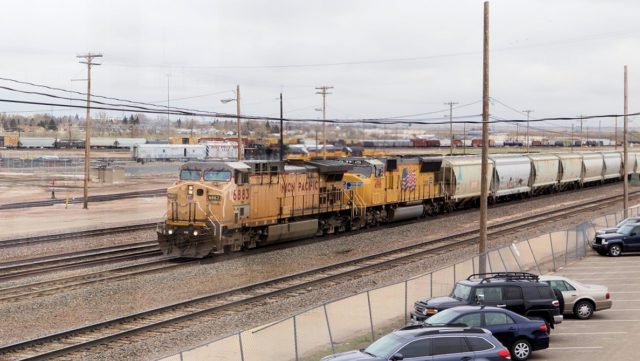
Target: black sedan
519 334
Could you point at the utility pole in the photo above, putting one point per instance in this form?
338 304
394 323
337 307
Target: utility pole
240 155
615 139
168 104
451 104
482 245
624 139
281 131
87 59
571 137
581 138
323 91
528 111
464 138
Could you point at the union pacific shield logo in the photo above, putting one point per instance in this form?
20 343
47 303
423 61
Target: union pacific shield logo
408 180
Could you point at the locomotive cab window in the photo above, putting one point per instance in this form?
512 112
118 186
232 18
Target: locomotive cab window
190 174
241 177
217 175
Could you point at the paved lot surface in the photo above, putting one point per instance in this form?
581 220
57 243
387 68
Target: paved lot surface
611 334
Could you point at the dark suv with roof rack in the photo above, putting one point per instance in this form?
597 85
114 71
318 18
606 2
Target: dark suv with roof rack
519 292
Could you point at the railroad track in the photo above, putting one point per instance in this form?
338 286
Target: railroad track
96 198
70 235
10 271
169 318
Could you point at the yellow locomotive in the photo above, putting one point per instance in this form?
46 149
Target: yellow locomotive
223 206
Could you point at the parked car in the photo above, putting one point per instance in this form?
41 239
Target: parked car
519 292
625 221
433 344
626 239
519 334
580 299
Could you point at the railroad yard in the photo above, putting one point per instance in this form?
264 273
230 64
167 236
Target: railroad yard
109 275
319 181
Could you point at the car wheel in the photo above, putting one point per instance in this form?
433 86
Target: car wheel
583 310
521 350
615 250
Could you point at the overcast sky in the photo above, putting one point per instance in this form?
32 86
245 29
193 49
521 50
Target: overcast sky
383 58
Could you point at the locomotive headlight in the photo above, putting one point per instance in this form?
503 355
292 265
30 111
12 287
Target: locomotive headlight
195 233
190 191
214 197
170 231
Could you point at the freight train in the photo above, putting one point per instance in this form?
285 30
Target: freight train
222 206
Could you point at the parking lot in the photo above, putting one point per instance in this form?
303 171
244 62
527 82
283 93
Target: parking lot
610 334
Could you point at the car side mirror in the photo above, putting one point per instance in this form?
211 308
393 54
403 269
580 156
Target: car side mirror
633 234
396 357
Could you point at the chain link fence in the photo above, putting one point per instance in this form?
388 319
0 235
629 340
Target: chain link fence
355 321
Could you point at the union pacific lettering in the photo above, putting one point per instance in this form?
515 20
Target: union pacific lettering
290 187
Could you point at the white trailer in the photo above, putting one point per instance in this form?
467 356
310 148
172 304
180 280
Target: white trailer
221 150
148 152
129 142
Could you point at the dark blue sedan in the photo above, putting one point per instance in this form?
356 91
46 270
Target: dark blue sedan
519 334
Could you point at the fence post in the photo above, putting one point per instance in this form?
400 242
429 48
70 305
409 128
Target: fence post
454 273
406 297
534 257
502 260
241 348
295 337
431 285
566 246
326 317
373 336
553 256
515 257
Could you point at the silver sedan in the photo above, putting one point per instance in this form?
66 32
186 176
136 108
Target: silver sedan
580 299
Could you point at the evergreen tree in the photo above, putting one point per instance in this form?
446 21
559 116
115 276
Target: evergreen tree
12 124
51 125
124 120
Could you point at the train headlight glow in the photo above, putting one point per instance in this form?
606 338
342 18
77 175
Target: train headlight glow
170 231
195 233
190 191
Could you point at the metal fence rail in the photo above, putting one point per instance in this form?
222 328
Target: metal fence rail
354 321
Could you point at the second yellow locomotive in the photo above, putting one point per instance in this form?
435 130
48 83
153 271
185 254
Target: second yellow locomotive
228 206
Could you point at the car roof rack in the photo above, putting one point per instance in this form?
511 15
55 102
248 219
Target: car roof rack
450 329
507 276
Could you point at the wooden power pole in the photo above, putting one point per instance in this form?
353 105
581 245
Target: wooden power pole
451 104
323 91
528 111
624 139
87 59
484 184
240 155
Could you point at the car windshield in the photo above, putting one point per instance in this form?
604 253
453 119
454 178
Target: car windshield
442 317
626 230
188 174
385 346
626 221
461 292
217 175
